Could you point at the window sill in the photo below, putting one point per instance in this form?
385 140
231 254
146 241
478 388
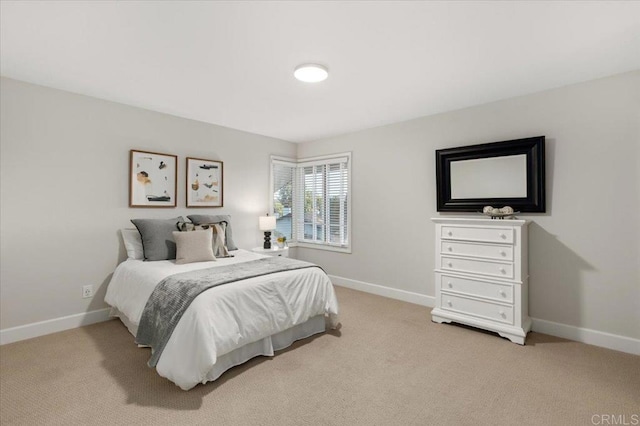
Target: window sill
322 247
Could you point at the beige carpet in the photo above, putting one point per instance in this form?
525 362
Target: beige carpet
388 365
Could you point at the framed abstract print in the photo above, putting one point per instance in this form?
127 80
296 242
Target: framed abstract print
152 179
204 183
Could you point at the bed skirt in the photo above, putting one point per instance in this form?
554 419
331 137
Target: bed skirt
264 347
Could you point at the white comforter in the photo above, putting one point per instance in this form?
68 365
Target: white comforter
223 318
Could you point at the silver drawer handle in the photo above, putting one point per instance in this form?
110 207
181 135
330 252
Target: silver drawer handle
449 233
449 303
450 248
502 313
503 236
502 293
503 253
449 284
449 264
503 271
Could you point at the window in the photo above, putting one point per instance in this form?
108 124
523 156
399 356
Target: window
311 201
282 178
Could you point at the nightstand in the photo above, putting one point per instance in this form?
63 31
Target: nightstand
273 251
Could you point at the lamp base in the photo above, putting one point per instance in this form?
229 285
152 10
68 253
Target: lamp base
267 240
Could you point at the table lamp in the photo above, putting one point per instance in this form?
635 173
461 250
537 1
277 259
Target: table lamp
267 224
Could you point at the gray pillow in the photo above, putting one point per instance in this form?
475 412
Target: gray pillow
157 237
198 219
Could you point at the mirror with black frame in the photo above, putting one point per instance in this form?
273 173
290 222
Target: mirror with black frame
507 173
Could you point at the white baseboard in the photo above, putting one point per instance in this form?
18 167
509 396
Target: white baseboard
392 293
585 335
23 332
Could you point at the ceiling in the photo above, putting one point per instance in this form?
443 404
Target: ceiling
231 63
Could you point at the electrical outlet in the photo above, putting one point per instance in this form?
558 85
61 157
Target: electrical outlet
87 291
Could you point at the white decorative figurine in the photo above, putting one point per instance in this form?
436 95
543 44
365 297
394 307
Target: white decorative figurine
496 213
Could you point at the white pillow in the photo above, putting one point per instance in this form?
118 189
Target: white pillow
193 246
133 243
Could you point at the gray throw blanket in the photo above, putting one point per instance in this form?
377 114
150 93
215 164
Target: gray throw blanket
171 298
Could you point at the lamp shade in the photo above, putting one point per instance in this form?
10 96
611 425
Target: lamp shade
267 223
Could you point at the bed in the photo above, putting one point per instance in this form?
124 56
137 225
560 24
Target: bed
229 324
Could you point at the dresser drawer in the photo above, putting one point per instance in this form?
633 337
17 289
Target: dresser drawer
485 267
495 291
485 234
488 251
477 308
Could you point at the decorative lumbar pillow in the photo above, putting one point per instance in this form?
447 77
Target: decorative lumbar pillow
157 237
193 246
219 246
185 226
199 219
133 243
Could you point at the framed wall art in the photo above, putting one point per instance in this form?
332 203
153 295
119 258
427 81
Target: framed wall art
204 183
152 179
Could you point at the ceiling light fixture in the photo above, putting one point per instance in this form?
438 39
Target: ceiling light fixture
311 73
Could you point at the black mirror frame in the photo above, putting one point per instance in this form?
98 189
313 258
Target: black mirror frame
533 148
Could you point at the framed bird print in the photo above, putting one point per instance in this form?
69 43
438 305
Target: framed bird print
152 179
204 183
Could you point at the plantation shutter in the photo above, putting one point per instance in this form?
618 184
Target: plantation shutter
322 209
283 181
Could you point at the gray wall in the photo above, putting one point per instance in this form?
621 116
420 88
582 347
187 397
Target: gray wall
584 252
64 171
64 179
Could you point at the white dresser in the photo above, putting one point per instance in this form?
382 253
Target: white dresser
481 275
